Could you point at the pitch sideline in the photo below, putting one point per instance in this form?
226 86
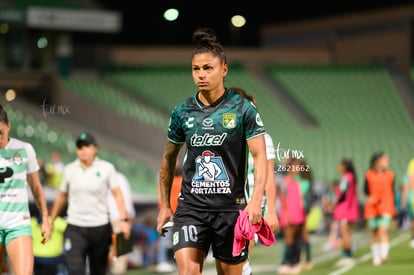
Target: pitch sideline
366 257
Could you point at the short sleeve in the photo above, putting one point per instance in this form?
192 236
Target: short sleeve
127 192
113 177
175 130
64 184
270 148
32 163
252 121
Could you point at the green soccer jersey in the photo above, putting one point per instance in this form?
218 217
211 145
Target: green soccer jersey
17 160
215 162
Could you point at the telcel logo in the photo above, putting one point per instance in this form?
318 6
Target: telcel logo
207 140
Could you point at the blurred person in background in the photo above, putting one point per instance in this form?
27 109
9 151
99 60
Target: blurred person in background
42 171
48 258
18 169
379 205
84 189
119 265
305 179
328 206
54 170
146 239
292 217
407 200
269 200
346 211
218 126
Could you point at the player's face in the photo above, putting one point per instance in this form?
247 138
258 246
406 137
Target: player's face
4 134
341 169
383 162
86 153
208 72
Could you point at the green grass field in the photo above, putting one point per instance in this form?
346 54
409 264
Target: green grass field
265 260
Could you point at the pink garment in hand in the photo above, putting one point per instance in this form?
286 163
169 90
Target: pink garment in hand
244 231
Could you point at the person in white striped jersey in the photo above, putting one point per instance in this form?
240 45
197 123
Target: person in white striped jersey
18 169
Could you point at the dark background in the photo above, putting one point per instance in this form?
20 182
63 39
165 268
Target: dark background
143 22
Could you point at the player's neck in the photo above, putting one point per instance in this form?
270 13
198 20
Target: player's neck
210 97
86 163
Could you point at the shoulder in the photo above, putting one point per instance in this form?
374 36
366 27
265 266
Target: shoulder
104 163
17 144
71 165
349 177
236 98
390 173
186 103
369 173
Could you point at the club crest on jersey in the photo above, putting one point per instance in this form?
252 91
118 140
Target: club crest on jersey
229 120
17 158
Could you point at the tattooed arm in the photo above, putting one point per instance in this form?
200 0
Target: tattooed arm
168 161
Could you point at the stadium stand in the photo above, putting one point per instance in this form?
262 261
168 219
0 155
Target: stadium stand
356 108
97 90
358 112
46 138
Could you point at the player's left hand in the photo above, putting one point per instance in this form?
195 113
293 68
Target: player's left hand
255 212
125 228
273 222
46 231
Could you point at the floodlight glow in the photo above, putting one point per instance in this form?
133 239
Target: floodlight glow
238 21
42 42
10 95
171 14
4 28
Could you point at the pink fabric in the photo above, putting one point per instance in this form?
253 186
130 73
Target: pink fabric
291 210
348 209
244 231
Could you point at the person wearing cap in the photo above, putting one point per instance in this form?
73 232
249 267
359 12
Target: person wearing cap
379 206
84 187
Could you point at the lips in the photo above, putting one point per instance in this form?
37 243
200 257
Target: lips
202 84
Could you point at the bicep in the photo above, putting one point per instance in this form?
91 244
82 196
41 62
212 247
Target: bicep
116 191
171 149
33 179
257 146
168 160
271 170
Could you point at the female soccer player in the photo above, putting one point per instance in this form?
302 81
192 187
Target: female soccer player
18 168
379 206
218 127
292 217
346 211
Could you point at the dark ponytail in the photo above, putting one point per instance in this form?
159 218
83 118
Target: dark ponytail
3 115
206 41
